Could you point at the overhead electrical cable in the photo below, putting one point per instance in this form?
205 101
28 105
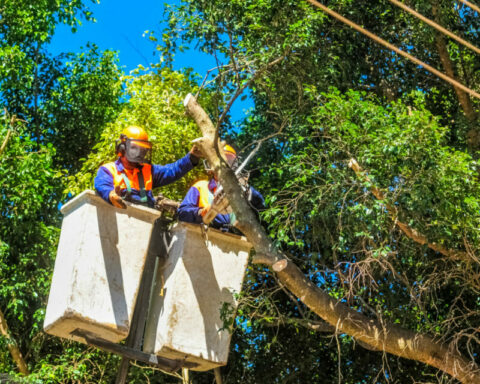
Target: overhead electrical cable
470 5
392 47
435 25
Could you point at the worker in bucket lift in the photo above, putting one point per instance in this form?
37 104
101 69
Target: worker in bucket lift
199 198
132 177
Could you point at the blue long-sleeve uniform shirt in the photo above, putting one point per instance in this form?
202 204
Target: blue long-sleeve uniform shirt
161 175
189 208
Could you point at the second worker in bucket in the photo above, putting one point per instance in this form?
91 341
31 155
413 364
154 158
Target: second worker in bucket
200 197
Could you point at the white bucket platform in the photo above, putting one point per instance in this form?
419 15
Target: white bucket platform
99 265
201 275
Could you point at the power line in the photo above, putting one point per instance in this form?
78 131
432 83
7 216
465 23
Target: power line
435 25
470 5
392 47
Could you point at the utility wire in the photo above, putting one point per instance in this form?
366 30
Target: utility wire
470 5
386 44
435 25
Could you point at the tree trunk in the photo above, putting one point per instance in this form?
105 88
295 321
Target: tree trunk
218 375
386 337
186 376
12 347
473 136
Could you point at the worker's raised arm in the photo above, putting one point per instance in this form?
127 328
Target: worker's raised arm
166 174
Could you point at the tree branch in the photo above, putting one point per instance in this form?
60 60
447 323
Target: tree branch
5 141
386 337
12 346
248 223
410 232
243 87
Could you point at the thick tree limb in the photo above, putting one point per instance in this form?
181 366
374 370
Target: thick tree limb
410 232
386 337
248 223
12 346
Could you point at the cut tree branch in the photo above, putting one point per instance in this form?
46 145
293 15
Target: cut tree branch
410 232
386 337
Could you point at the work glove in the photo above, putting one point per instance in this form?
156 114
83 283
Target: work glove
203 211
195 155
116 199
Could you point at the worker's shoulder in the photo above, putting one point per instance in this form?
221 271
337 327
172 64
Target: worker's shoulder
110 166
200 184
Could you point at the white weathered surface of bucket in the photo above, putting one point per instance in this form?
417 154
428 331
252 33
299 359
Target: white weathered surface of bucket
201 275
98 268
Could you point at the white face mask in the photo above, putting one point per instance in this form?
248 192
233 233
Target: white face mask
231 159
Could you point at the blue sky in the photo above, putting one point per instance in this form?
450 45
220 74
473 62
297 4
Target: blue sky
120 26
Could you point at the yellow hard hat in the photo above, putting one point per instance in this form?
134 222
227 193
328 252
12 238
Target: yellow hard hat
230 154
136 133
134 145
229 149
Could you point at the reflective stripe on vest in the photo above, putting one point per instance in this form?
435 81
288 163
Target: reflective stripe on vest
206 196
132 176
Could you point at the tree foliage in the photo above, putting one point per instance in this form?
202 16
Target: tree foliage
45 99
411 146
323 96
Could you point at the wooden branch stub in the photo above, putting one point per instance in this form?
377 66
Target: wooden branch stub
279 266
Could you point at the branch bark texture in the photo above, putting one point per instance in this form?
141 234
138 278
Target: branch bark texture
379 336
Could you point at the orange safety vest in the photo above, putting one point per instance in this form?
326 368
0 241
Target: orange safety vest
132 175
206 196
